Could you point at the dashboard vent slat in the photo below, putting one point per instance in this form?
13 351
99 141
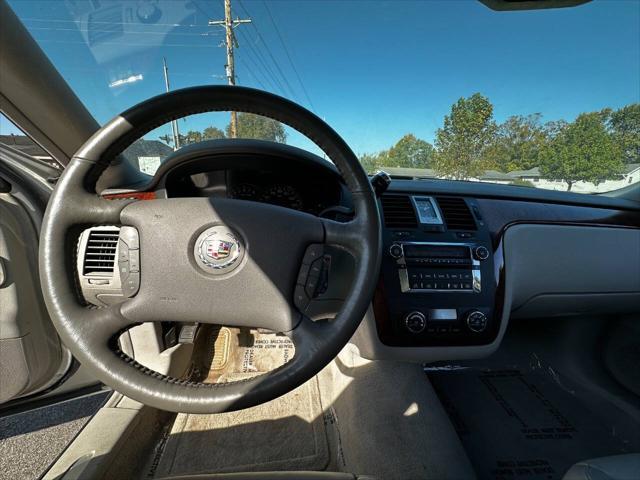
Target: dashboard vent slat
456 213
398 212
100 254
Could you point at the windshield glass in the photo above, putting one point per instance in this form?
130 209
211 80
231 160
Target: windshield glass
425 89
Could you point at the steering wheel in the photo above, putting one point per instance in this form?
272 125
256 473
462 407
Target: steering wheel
207 260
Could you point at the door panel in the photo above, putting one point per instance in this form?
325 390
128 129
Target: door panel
31 357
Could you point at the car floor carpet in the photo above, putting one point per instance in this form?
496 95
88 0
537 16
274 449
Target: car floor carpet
523 421
31 441
285 434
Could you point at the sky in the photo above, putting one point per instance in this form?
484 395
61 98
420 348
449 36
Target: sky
373 70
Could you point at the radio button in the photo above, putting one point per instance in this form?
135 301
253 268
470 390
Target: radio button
415 322
395 250
476 321
481 253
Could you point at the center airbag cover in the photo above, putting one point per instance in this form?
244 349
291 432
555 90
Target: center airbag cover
218 250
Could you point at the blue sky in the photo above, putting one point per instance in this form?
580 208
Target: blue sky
373 70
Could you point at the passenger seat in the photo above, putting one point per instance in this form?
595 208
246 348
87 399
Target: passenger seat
617 467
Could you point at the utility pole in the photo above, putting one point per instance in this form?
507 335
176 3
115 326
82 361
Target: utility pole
174 124
230 40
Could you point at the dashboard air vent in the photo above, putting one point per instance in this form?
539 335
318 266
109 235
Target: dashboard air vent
398 212
100 254
456 213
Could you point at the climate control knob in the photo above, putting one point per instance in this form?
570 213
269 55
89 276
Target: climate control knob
415 322
477 321
481 253
395 250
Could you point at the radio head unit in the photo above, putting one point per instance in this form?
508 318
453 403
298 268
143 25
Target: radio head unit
430 267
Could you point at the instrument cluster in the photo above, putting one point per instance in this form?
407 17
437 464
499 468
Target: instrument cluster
298 192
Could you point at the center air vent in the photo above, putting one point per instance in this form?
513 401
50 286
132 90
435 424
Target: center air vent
100 254
456 213
398 212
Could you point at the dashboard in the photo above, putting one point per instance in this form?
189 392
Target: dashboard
459 260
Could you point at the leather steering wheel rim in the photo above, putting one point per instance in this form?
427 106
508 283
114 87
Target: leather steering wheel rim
90 333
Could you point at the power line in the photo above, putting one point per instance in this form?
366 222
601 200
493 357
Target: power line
251 73
129 44
265 76
266 46
102 30
286 50
49 20
261 58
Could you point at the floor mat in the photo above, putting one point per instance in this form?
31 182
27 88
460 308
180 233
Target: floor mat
31 441
518 423
285 434
239 354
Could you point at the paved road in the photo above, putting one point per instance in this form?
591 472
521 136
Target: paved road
31 441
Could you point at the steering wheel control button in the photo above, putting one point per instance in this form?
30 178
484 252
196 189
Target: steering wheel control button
123 251
311 286
481 253
131 285
313 277
124 269
218 250
415 322
300 298
477 321
129 235
134 260
313 252
303 274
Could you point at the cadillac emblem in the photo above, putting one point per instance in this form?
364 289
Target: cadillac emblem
218 250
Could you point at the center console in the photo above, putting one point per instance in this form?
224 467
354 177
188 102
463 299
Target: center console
440 275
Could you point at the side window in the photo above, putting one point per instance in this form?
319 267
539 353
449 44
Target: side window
14 138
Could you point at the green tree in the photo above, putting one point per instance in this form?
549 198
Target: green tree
192 136
212 133
409 152
625 128
370 162
259 127
517 143
462 142
582 151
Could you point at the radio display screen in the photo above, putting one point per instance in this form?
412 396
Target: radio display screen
439 251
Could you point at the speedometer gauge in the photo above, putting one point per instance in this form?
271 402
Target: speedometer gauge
284 196
244 191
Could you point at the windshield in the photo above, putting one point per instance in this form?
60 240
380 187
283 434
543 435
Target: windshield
425 89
